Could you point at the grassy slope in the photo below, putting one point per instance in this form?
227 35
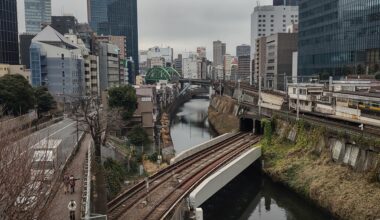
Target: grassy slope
343 192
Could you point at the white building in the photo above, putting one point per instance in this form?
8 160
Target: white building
268 20
201 51
156 62
58 64
227 66
190 67
166 53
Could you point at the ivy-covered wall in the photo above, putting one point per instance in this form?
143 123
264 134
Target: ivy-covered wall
338 173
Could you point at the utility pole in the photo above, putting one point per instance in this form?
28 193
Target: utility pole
260 77
298 101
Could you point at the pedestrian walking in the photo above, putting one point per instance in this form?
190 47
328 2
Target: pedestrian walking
66 183
72 183
72 207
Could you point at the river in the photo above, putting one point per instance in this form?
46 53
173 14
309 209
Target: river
250 195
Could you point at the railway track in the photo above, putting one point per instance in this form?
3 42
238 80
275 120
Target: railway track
174 181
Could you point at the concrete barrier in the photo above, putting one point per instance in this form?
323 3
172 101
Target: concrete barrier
201 147
222 177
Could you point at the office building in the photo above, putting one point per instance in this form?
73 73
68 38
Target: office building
202 71
119 41
178 64
8 32
341 39
268 20
118 18
201 51
279 59
25 42
37 14
286 2
109 72
243 50
244 68
64 24
219 52
58 64
161 52
227 64
13 70
260 59
85 32
190 67
156 62
91 66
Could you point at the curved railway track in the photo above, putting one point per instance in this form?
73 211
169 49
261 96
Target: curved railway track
129 204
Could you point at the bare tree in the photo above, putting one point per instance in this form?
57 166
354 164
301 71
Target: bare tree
25 177
93 119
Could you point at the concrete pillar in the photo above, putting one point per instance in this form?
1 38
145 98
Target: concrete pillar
199 214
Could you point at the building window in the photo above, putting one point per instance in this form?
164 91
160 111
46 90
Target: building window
62 56
272 16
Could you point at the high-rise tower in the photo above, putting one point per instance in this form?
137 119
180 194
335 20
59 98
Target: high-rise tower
118 18
37 13
8 32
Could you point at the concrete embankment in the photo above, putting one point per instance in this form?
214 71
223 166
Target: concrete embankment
338 173
221 114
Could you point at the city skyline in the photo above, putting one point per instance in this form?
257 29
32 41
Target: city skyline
231 24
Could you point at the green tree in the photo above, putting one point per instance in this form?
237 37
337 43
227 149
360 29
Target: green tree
324 75
138 136
16 94
44 100
115 175
377 76
360 70
123 97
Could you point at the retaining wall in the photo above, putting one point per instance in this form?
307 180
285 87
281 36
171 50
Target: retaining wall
222 177
201 147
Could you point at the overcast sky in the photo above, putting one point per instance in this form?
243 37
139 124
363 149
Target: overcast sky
181 24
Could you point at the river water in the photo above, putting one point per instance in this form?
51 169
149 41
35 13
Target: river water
250 195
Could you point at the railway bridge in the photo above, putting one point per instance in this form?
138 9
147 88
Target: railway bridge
191 178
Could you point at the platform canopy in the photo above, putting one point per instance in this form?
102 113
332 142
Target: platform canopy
156 74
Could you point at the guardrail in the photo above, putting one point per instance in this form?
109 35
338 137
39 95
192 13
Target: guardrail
86 192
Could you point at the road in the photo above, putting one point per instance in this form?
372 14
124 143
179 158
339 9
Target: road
65 130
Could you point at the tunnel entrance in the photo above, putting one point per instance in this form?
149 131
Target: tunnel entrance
258 128
251 125
246 125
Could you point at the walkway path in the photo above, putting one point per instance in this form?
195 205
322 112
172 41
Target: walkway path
58 207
